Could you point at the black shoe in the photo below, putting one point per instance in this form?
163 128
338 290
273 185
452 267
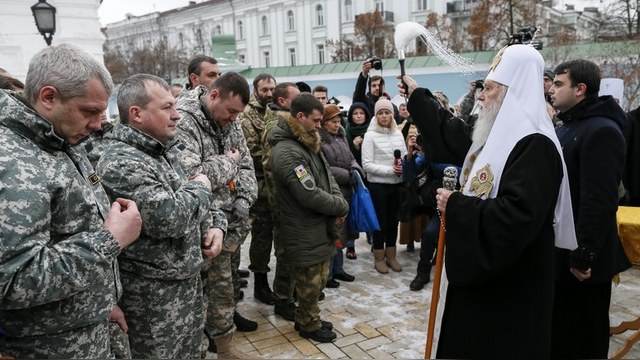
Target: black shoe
239 296
321 296
243 283
261 290
344 277
325 324
243 273
322 335
212 344
419 281
287 311
332 284
243 324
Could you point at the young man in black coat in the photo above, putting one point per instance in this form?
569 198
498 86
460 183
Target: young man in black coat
594 150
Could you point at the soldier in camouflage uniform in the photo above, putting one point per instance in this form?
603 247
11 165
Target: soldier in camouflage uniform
95 145
285 306
310 207
252 120
162 289
60 241
215 146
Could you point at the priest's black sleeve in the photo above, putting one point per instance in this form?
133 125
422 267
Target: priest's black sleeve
446 137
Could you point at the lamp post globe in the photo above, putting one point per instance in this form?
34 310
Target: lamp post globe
45 16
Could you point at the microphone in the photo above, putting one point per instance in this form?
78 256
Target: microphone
450 178
397 158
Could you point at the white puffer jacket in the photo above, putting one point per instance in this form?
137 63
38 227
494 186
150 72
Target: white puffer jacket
377 152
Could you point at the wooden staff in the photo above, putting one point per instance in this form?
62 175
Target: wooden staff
449 183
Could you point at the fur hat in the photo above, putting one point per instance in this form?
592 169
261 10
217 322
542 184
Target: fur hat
330 111
383 103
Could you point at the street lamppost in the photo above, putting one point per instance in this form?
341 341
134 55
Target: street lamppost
45 16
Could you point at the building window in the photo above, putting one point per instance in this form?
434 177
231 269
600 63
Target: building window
241 58
319 15
265 26
290 21
181 40
267 59
218 30
422 4
348 10
320 48
380 6
292 56
240 30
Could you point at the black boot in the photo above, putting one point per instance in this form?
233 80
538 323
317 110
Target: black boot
419 281
212 344
243 324
287 311
261 289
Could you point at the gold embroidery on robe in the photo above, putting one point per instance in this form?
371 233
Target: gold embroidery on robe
482 183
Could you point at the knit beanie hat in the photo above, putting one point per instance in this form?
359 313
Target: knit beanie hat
549 73
330 111
383 103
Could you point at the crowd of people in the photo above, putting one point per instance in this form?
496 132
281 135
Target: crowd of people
122 238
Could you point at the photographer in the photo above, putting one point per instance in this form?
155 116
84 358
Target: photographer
376 86
469 101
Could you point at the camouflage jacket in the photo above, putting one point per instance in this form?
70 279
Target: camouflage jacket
95 144
307 195
175 212
205 152
253 120
58 264
268 189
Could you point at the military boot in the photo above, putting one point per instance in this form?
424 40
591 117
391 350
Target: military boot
261 289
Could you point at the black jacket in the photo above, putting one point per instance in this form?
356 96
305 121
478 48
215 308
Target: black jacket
594 150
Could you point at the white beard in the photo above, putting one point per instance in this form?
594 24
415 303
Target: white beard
486 117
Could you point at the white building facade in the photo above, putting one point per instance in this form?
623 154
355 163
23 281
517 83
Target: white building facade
77 23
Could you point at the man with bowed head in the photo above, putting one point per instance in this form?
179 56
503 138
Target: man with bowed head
60 241
513 203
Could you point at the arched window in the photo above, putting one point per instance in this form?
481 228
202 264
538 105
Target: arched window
290 21
265 26
348 10
319 15
240 30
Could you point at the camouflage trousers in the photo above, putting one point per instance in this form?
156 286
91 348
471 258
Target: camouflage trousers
218 295
235 277
89 342
309 281
165 317
282 283
261 237
119 342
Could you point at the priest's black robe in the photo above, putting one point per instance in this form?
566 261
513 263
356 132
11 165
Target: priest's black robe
499 252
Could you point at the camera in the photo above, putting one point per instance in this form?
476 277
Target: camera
480 84
526 35
376 63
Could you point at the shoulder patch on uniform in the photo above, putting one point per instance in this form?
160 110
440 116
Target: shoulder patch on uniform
306 180
94 178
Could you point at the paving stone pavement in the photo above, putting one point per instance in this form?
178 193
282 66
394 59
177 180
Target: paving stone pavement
378 317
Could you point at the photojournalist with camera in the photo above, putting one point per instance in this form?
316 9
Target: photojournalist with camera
469 101
375 83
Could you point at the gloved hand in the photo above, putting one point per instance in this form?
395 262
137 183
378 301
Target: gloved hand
241 208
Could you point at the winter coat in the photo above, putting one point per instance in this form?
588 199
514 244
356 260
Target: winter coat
336 151
206 145
308 197
175 212
353 130
378 148
253 120
58 263
594 150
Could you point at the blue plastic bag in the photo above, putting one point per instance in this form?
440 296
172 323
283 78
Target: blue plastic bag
362 215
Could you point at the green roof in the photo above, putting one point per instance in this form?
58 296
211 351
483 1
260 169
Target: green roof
484 57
